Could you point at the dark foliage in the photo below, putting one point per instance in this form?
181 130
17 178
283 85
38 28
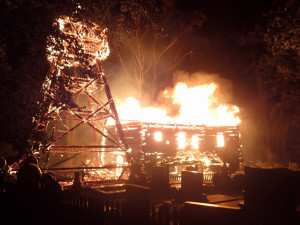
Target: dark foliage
272 53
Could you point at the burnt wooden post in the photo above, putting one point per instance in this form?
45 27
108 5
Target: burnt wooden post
101 211
175 216
117 213
160 215
123 211
191 186
166 214
95 211
138 204
113 216
107 212
160 179
153 215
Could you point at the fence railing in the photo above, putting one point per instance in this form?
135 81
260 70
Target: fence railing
165 214
206 177
82 210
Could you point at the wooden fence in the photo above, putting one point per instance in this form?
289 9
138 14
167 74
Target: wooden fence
79 209
165 214
83 210
206 177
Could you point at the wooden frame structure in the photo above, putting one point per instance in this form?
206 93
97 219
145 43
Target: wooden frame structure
79 131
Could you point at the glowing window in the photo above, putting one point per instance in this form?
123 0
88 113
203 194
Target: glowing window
181 140
195 141
220 140
157 136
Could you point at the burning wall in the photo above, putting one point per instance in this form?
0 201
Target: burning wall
202 129
184 144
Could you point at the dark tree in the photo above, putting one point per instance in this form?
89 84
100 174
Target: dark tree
25 26
278 76
272 48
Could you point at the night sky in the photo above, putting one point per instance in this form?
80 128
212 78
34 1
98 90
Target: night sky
224 20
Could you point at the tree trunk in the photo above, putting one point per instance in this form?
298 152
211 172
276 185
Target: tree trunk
268 142
284 133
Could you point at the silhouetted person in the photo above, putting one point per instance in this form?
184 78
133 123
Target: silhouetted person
49 184
3 175
77 181
53 197
29 160
3 186
25 205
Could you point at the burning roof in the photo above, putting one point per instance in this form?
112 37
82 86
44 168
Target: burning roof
197 105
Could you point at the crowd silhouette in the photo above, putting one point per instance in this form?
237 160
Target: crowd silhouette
29 197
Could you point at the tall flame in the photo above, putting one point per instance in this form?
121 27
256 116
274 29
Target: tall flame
197 106
132 110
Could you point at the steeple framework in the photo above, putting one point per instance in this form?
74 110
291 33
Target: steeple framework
75 121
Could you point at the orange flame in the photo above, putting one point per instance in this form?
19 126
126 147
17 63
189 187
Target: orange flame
119 162
131 110
197 106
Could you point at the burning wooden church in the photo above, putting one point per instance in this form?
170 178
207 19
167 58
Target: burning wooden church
87 132
208 147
